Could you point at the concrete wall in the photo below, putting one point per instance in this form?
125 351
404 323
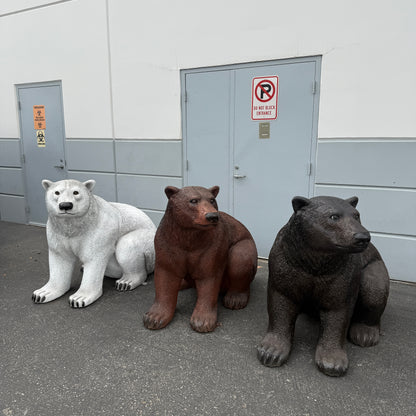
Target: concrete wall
125 58
119 63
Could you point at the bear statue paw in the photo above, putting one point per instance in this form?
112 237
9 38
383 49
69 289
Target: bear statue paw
273 351
204 322
236 300
364 335
156 318
332 362
123 286
81 300
129 282
39 296
48 293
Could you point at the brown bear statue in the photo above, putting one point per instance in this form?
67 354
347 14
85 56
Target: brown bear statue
198 246
322 262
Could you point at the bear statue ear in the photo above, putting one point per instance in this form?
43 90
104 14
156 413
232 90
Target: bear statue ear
352 201
89 184
171 190
214 190
299 202
46 183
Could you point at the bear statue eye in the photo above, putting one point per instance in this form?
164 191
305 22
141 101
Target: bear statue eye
193 201
356 216
213 201
75 192
334 217
57 193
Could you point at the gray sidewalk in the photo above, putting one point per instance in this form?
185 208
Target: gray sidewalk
59 361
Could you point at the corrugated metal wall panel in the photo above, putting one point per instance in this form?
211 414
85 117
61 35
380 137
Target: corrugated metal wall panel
367 162
105 186
386 210
149 157
10 153
12 208
399 255
145 192
90 155
381 172
11 181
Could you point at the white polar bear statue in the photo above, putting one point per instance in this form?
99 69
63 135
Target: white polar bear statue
108 238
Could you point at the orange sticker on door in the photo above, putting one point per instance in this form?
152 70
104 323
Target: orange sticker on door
39 120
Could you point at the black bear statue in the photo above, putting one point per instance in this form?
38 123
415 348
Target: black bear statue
322 263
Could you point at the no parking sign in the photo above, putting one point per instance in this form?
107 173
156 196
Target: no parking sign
264 93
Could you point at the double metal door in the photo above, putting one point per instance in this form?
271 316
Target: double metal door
259 164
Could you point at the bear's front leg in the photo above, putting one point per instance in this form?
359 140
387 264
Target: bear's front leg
330 356
204 316
275 347
92 283
61 267
166 295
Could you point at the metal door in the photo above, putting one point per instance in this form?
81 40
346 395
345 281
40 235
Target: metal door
42 134
208 121
269 172
224 146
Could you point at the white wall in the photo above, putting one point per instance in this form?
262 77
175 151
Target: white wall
68 42
369 59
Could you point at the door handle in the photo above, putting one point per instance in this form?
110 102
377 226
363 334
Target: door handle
59 166
239 176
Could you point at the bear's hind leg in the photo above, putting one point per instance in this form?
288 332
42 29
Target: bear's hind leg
241 269
134 273
135 255
372 299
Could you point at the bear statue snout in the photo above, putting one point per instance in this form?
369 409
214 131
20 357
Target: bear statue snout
362 239
212 217
66 206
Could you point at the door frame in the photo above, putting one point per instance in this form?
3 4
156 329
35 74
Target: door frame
317 59
57 83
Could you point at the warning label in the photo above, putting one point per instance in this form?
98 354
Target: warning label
40 138
264 93
39 120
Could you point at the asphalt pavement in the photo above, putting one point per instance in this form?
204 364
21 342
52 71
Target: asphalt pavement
59 361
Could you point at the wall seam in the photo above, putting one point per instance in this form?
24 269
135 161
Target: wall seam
394 235
110 79
29 9
8 194
367 139
364 186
